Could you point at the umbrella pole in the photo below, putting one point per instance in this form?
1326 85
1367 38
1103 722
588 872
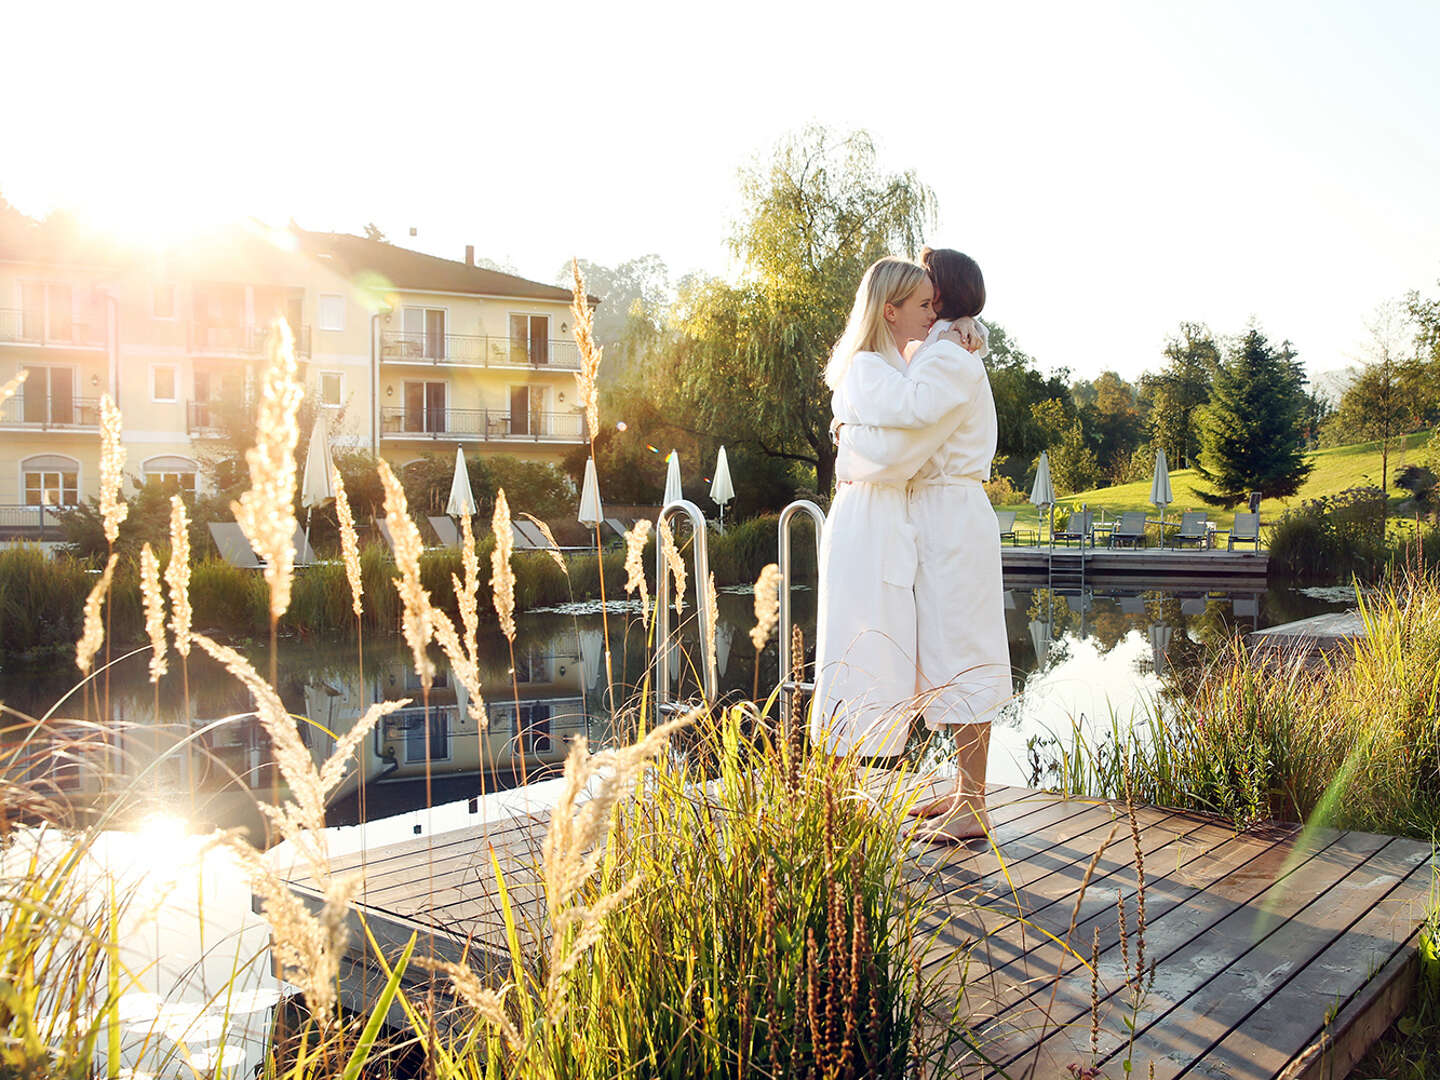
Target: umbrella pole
308 511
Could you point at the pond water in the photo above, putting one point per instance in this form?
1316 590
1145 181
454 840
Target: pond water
1077 658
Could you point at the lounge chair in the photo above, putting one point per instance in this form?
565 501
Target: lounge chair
532 532
1130 529
446 530
1194 529
525 541
235 547
615 525
1006 520
1246 530
1077 528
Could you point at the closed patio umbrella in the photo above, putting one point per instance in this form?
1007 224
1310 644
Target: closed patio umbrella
591 512
316 487
721 489
1160 493
462 499
673 492
1042 492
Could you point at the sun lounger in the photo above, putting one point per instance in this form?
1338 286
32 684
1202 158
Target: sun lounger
1194 529
615 525
445 530
1130 529
1006 520
1077 528
525 541
1246 530
235 547
532 533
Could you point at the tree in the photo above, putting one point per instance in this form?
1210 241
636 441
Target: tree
372 232
1110 414
1252 431
1073 466
1375 405
750 354
1018 388
1175 395
634 298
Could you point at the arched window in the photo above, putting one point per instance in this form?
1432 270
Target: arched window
50 480
167 469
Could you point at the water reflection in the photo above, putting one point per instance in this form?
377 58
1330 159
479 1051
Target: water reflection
1075 654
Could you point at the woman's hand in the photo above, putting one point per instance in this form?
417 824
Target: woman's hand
965 334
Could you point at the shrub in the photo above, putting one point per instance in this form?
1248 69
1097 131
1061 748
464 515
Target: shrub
1333 537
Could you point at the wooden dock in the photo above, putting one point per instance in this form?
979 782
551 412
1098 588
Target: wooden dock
1277 952
1150 566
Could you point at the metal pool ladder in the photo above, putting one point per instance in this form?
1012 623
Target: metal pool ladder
701 558
788 684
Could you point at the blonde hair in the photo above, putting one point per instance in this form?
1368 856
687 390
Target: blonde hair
888 281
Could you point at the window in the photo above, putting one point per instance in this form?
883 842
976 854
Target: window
332 312
164 301
424 335
171 472
439 736
49 395
162 382
332 388
529 339
425 406
51 480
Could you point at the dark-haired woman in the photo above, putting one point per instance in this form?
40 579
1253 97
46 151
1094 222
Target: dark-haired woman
962 645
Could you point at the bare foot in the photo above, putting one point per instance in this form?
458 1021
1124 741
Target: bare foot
956 817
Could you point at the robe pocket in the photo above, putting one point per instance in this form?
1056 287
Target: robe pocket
901 557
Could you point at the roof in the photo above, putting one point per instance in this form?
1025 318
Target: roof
415 271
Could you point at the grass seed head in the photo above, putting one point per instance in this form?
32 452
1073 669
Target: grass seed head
349 542
113 508
767 606
93 634
502 574
154 603
416 618
177 575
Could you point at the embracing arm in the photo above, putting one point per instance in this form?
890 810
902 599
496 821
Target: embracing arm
940 378
887 454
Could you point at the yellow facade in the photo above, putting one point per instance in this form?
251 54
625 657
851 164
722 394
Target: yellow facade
178 339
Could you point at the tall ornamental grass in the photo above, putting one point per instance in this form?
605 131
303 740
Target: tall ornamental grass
1350 739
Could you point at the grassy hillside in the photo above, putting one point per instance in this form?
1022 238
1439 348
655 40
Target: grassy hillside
1335 470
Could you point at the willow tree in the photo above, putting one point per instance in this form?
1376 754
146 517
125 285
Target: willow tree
751 351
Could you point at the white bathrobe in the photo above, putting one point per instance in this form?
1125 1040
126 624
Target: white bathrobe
962 644
865 650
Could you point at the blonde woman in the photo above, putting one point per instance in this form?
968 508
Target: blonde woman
962 647
865 661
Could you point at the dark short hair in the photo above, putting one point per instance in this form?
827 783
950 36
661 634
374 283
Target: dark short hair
959 285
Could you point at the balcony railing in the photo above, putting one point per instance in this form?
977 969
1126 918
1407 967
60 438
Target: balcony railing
484 425
50 413
206 340
471 350
29 523
214 419
28 328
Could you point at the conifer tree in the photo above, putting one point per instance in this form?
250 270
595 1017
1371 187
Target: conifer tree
1252 432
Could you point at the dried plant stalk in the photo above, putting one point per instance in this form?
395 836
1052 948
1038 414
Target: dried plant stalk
590 352
635 540
464 666
113 509
502 575
177 575
554 549
416 618
467 594
712 619
266 512
154 611
767 606
349 542
671 554
93 634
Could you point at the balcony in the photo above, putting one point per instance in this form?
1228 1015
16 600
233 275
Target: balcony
217 419
30 523
477 351
481 425
37 412
19 327
239 341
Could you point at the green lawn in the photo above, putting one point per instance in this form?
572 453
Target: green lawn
1335 470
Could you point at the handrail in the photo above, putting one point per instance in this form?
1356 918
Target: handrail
800 506
702 610
419 347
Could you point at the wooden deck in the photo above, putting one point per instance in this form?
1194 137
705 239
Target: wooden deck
1150 565
1277 952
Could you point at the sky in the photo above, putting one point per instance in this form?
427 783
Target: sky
1115 168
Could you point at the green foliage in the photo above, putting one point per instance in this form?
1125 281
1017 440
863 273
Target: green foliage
1332 537
1110 414
1174 396
1252 432
1018 387
1073 466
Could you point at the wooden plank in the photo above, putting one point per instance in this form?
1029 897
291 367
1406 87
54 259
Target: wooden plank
1356 974
1208 873
1187 970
